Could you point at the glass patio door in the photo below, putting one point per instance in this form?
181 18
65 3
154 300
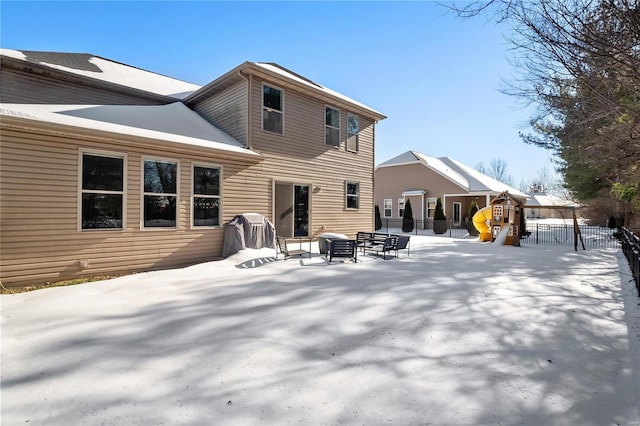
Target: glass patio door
292 210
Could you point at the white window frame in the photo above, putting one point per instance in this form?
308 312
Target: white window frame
354 135
458 220
347 195
385 208
143 193
194 195
269 109
431 211
81 190
401 204
327 126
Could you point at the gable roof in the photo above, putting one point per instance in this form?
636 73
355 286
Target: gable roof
173 122
543 199
462 175
281 73
102 69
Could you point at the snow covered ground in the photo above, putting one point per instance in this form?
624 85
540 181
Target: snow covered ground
459 333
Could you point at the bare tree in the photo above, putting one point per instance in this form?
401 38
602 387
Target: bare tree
496 170
579 63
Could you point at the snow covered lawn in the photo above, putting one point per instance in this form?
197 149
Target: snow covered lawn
460 333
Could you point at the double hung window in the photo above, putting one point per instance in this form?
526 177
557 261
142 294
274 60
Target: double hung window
102 190
332 126
353 195
353 130
400 207
272 109
431 207
160 193
206 196
388 207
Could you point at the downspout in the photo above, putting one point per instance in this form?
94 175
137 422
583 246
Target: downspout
248 79
444 204
422 212
373 174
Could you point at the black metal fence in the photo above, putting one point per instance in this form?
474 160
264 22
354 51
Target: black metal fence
631 250
536 233
425 227
562 234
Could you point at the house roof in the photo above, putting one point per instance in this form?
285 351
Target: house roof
543 199
277 69
284 74
103 69
173 122
462 175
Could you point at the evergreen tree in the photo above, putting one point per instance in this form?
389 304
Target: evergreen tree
439 219
378 219
407 219
473 209
439 213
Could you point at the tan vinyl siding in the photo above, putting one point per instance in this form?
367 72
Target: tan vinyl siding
300 155
39 237
227 111
26 88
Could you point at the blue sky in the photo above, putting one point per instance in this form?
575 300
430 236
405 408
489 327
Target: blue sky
436 77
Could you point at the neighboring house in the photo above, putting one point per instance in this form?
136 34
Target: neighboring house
107 168
423 179
547 206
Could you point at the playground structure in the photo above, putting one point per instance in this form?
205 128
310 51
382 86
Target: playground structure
500 220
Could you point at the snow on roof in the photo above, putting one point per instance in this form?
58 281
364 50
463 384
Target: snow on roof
481 182
543 199
174 122
461 174
106 70
277 69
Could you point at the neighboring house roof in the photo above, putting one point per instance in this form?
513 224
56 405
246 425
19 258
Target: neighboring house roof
173 122
99 68
543 199
464 176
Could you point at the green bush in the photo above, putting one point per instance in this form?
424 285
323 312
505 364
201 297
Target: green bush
473 209
407 219
378 219
439 213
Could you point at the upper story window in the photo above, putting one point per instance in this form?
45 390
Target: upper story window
160 193
206 196
353 129
102 190
387 207
353 195
272 109
332 126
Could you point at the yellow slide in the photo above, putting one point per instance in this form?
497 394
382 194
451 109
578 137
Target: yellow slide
480 222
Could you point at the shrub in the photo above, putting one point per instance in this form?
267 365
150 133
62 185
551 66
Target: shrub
378 219
473 209
407 219
439 213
